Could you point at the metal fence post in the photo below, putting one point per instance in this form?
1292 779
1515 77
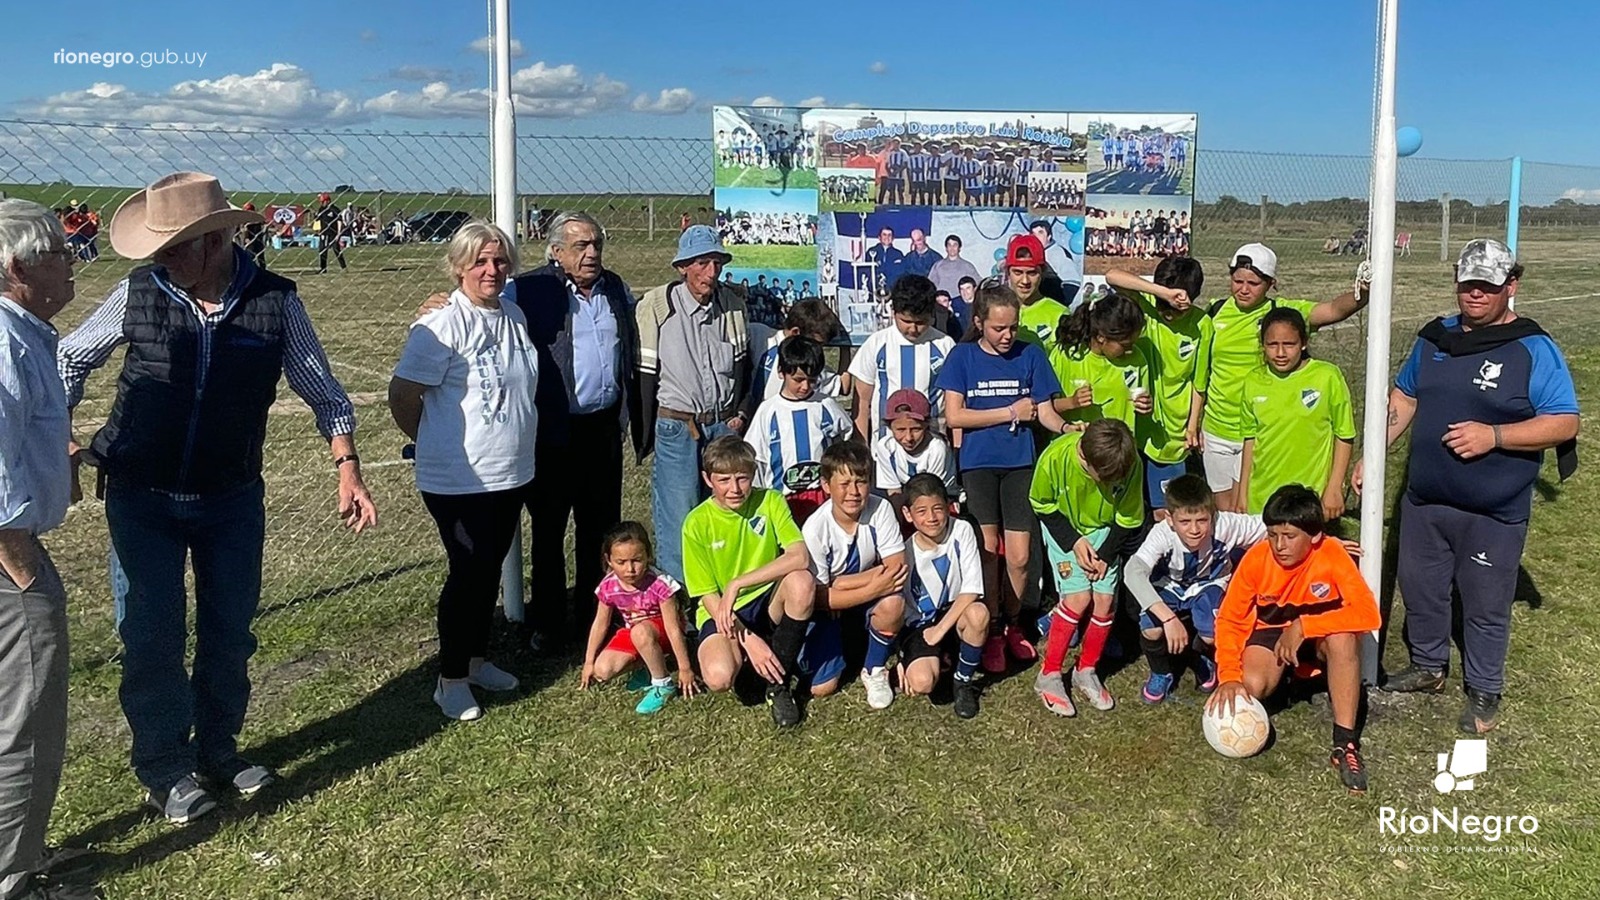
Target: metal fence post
652 227
1261 231
1444 228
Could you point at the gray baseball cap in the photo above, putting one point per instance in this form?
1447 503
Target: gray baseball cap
1485 259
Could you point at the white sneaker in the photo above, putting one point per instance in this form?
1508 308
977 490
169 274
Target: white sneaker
491 677
456 700
879 693
1089 685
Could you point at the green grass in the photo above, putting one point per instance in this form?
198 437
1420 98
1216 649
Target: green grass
774 256
561 793
755 176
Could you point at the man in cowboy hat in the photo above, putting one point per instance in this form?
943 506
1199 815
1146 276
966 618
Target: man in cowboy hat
694 380
208 334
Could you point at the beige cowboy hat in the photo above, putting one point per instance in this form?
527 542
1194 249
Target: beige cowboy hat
176 208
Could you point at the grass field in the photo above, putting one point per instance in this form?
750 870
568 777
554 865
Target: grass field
755 176
560 793
774 256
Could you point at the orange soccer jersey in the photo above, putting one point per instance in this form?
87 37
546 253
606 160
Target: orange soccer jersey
1325 592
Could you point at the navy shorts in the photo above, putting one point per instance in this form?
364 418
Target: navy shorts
822 654
1200 608
1156 477
753 614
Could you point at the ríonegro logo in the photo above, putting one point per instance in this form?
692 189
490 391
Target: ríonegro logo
1454 772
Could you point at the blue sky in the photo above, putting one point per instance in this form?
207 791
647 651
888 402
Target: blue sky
1480 80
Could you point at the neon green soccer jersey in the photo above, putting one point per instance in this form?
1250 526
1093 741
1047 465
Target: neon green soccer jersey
1037 323
1173 349
1062 485
1233 352
1111 380
1294 420
721 544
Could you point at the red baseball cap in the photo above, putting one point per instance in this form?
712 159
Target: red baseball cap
907 403
1025 252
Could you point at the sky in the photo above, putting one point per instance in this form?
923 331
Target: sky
1263 75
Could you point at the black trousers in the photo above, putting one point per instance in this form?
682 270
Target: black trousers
476 530
337 247
581 480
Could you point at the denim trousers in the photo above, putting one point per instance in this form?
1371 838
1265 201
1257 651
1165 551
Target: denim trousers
182 722
676 486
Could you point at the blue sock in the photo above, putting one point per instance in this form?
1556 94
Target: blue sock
967 660
878 645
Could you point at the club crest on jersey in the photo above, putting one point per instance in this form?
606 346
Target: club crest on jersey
1130 377
1320 590
1309 398
1185 349
1488 375
758 524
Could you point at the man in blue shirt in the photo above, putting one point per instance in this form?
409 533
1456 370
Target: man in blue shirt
35 487
920 258
1486 393
889 258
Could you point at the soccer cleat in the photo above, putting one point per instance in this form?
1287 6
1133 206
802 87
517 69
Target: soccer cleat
879 693
655 699
1052 691
1157 687
456 701
785 712
1089 685
994 655
639 681
1481 713
491 677
182 803
1415 679
1018 645
240 775
1352 771
966 698
1205 674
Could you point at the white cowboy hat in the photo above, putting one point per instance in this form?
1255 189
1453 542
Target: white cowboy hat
176 208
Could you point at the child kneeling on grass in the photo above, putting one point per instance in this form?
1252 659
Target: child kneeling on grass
746 561
1088 493
858 558
646 598
1178 577
1297 598
943 606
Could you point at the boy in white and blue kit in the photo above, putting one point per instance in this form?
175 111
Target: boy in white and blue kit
791 430
911 447
944 611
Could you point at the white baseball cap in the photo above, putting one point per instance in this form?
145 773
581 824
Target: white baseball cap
1257 256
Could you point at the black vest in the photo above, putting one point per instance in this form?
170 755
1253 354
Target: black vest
180 428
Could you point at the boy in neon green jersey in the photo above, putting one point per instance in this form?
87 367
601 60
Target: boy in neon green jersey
1039 315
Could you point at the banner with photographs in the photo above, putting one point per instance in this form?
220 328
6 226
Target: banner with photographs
848 200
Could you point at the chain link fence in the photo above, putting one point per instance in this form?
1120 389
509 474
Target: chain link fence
406 192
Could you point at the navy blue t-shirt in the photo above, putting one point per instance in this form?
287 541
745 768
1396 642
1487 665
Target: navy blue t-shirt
1511 383
990 381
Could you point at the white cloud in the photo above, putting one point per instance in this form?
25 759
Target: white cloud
1582 195
670 102
279 95
766 100
854 105
818 100
324 153
878 67
484 46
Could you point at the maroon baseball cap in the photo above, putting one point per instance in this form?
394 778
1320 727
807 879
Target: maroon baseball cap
1025 252
908 403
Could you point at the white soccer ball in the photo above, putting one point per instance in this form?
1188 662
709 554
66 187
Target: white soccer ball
1242 734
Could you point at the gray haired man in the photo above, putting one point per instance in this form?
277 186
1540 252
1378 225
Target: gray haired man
36 486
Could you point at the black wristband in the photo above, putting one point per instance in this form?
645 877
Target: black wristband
348 457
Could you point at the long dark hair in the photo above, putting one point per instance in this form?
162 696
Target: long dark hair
1287 315
1113 317
989 295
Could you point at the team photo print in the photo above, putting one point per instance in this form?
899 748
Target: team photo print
1135 233
1139 153
1057 193
842 189
762 147
767 230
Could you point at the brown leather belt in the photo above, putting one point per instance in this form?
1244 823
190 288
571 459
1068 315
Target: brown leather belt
694 420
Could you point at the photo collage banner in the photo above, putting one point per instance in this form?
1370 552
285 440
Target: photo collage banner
839 203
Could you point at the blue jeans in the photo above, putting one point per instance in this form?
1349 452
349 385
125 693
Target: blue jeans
152 534
676 486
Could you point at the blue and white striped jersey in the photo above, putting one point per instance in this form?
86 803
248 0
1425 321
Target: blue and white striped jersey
789 437
940 575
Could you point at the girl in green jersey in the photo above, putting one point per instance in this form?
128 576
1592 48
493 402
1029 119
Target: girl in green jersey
1103 374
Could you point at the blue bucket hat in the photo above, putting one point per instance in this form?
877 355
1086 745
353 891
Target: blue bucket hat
697 241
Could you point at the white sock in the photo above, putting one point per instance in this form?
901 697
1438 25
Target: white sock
664 681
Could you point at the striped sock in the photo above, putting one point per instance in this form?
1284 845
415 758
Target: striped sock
967 660
1062 625
878 645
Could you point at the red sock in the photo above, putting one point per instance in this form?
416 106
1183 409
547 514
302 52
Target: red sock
1094 642
1063 622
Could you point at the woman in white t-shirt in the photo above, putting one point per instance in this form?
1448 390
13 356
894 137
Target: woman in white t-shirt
463 390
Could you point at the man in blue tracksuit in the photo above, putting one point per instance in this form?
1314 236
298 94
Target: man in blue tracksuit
1487 393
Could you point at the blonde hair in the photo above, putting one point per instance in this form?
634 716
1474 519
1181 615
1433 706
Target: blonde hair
469 240
728 455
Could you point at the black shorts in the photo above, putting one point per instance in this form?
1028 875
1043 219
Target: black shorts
1268 638
913 647
1000 497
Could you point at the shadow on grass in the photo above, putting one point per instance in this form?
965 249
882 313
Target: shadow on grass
365 580
395 718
